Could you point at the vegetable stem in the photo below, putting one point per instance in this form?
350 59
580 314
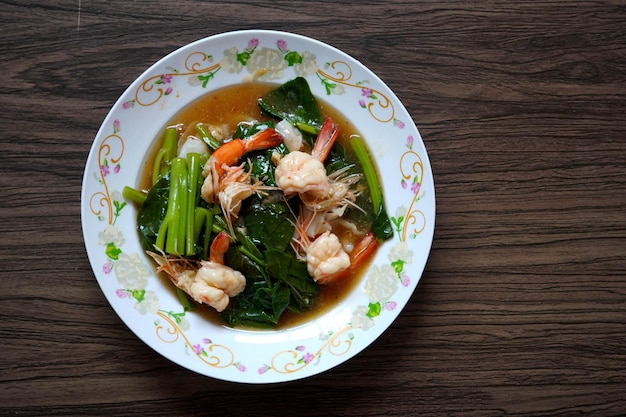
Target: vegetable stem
208 229
193 171
133 195
381 226
207 137
358 146
169 234
200 214
166 154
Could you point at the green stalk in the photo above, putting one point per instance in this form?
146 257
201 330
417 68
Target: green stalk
182 213
381 226
200 214
207 137
208 227
133 195
168 235
358 146
193 172
165 155
250 255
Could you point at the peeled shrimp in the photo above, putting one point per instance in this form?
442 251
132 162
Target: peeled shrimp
325 256
300 172
361 252
305 174
213 283
339 194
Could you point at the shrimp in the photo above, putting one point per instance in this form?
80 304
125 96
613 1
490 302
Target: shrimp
325 257
213 283
230 185
230 152
300 172
235 187
328 259
357 256
305 174
339 194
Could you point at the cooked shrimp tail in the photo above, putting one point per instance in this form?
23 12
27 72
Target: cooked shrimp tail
220 245
325 139
264 139
230 152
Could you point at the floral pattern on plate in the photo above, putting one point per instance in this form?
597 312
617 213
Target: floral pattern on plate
265 63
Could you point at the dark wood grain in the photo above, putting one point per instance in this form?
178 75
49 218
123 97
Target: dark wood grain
522 307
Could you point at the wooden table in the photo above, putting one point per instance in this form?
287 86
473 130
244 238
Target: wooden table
522 307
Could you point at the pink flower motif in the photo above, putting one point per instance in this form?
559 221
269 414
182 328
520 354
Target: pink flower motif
391 305
415 187
253 43
168 91
406 280
116 169
367 92
166 78
122 293
300 348
116 125
409 141
398 123
104 170
128 104
263 369
403 184
107 267
206 341
308 357
197 349
240 367
282 45
362 103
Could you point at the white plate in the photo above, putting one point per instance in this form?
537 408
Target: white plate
127 277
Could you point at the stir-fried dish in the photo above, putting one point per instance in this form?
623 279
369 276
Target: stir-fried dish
255 218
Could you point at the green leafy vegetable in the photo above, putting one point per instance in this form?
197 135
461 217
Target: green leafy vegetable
294 102
152 212
247 129
268 224
280 280
381 227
